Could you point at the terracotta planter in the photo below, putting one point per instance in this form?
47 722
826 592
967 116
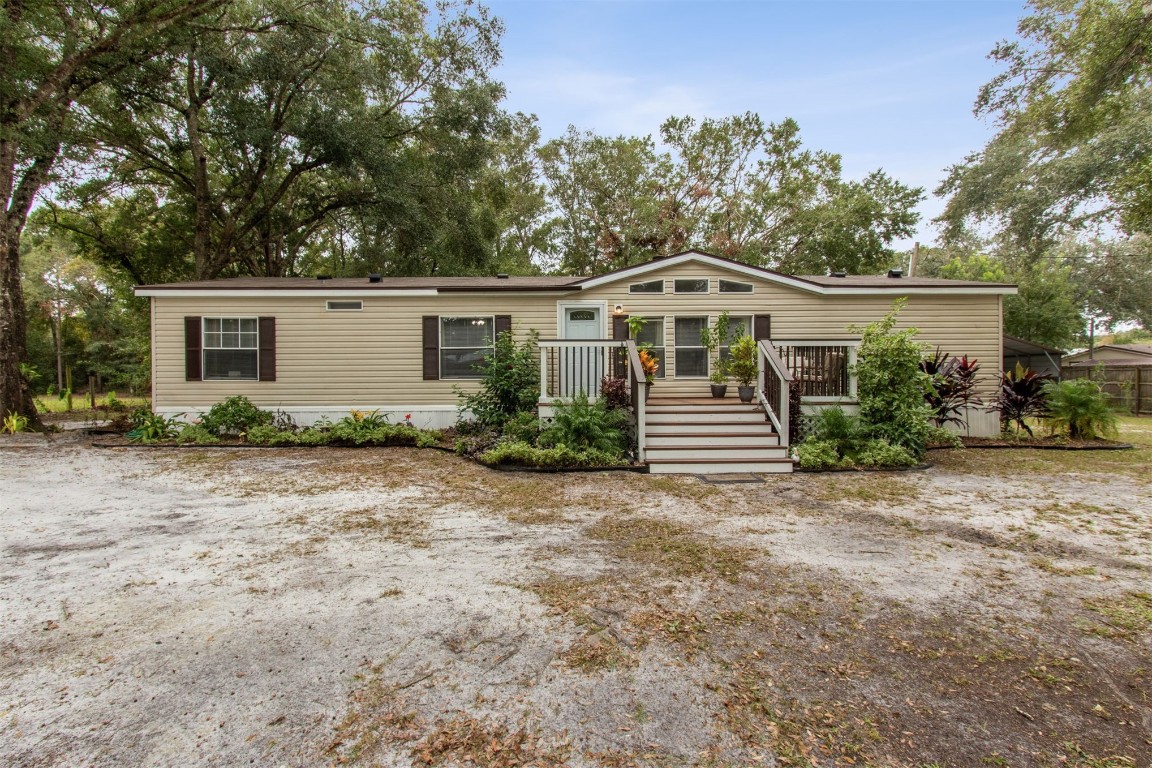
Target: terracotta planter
719 390
747 394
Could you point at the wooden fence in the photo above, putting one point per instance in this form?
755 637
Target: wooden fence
1130 386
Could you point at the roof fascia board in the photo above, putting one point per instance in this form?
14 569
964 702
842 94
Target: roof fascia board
671 261
896 290
257 293
803 285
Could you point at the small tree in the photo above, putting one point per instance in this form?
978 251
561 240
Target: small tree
510 382
891 385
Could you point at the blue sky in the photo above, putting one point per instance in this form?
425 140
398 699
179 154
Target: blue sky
884 84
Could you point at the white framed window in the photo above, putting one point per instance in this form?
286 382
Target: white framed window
231 348
652 286
465 343
345 306
690 354
735 286
651 336
691 285
738 325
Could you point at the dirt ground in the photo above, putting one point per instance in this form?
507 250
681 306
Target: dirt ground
395 607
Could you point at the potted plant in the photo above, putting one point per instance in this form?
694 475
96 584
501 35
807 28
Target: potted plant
712 339
743 366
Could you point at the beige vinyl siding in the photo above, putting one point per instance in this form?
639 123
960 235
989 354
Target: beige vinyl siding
374 356
960 324
332 358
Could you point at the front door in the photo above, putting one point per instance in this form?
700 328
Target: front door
582 366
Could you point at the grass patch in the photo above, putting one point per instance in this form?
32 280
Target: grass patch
405 527
1124 617
671 548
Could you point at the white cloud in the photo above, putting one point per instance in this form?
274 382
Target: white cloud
565 92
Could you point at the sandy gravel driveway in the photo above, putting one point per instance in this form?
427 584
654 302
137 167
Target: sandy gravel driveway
211 607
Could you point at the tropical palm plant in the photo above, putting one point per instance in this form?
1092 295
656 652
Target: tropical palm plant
1080 408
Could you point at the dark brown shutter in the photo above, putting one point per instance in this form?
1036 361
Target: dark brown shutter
267 361
431 347
503 323
761 327
193 349
619 327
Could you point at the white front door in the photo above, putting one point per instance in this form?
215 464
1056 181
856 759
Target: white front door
582 366
582 322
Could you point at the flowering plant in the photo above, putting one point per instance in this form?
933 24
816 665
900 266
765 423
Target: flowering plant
649 364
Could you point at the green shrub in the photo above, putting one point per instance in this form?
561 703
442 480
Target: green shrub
263 434
881 453
835 425
1079 408
149 427
309 436
355 432
524 427
891 385
560 456
476 441
234 416
196 434
817 454
509 383
581 426
942 437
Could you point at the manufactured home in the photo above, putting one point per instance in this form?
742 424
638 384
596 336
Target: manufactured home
317 347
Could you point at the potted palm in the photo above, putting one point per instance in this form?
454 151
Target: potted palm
713 339
743 366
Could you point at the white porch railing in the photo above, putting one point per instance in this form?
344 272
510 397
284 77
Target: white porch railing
571 366
774 389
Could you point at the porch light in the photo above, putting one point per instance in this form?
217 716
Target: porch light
618 309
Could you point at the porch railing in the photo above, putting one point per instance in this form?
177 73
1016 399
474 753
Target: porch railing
571 366
820 369
774 389
638 389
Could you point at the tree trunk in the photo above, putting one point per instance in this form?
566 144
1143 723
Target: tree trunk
14 395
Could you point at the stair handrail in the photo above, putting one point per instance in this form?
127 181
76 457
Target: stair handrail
770 362
638 386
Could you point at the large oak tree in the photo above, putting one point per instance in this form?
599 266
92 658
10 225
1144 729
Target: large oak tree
54 56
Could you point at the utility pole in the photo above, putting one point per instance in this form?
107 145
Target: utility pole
913 259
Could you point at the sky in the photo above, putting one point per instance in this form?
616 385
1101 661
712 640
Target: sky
884 84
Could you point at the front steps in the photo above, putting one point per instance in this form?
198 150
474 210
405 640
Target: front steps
711 436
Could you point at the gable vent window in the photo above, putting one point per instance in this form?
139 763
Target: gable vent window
652 286
692 286
345 306
732 286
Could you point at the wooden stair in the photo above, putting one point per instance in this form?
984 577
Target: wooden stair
711 436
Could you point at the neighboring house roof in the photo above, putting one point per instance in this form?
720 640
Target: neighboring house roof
855 284
1136 351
